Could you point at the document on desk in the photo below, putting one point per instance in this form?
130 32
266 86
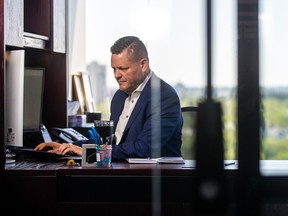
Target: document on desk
171 160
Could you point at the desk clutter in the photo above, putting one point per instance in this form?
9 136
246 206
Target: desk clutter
96 155
83 120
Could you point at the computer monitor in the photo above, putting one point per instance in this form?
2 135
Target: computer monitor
32 108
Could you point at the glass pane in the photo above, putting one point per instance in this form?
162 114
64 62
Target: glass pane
224 68
273 34
175 34
172 31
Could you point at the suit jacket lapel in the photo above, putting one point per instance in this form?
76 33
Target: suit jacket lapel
146 93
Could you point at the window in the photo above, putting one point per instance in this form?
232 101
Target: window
273 33
175 35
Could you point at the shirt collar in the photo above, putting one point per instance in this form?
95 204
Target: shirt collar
142 85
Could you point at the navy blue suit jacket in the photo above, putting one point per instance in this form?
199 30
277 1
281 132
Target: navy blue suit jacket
154 127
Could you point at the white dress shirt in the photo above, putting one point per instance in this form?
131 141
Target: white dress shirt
129 105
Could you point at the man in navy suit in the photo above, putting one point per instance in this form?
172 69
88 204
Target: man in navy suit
146 110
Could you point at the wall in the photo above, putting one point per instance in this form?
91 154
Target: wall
76 39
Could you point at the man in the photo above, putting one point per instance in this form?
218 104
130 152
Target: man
146 110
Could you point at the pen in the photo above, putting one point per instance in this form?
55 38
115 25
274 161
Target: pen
95 136
228 164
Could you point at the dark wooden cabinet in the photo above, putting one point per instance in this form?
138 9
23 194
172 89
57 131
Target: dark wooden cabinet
52 188
33 23
32 194
39 28
126 194
45 21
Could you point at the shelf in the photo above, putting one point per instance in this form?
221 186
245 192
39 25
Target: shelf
35 41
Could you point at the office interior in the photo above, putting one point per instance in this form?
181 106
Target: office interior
254 184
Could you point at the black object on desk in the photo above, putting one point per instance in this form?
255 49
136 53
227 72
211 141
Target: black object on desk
42 155
92 116
83 130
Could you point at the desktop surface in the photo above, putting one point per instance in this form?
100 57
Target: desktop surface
267 167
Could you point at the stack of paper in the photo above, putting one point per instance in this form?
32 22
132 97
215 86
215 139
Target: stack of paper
157 160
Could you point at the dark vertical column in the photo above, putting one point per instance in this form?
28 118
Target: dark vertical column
209 47
248 109
209 188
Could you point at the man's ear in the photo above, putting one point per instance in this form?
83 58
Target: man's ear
144 64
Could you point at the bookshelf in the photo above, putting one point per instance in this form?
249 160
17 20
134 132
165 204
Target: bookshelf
39 28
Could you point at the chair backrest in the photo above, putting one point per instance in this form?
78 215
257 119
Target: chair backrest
189 109
189 114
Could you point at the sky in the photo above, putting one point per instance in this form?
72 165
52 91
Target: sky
174 33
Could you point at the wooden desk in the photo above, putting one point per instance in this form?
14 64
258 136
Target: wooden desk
51 188
125 189
130 189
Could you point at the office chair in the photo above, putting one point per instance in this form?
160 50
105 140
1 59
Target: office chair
189 114
189 109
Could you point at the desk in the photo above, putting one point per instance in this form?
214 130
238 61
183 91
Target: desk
126 189
131 189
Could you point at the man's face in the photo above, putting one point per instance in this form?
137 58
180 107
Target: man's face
129 74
